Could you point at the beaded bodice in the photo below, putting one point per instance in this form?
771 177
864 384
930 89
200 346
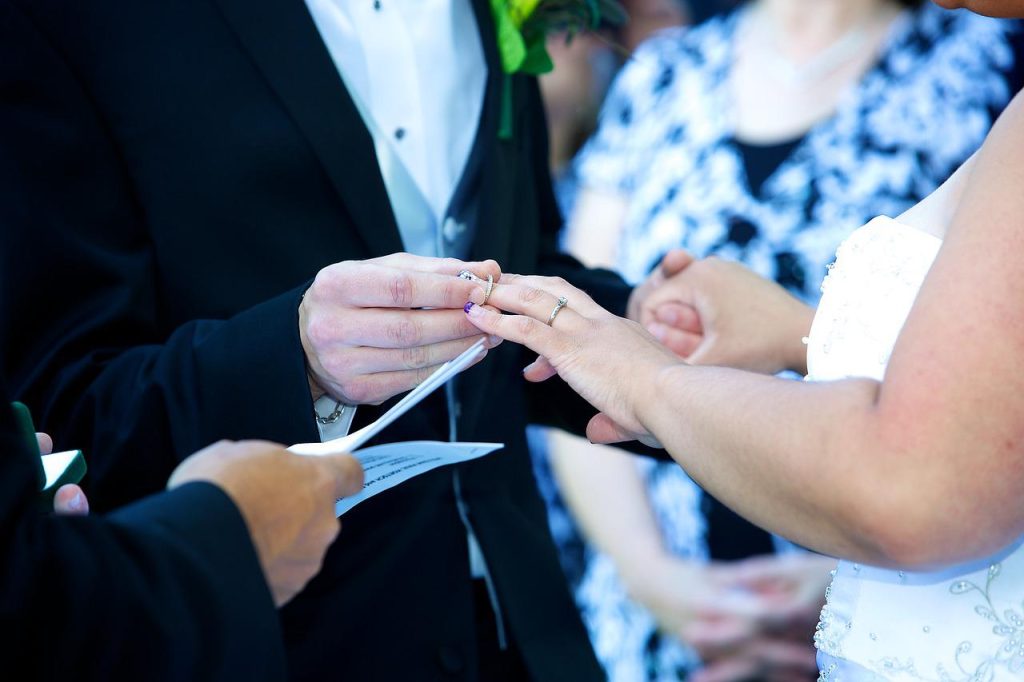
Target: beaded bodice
963 623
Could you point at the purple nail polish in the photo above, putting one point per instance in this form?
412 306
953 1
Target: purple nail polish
466 308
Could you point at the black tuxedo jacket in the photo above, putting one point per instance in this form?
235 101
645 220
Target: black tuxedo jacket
166 589
172 175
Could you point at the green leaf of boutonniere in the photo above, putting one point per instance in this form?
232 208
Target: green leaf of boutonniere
537 60
522 28
511 45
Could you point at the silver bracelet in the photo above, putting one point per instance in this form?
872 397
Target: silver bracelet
332 417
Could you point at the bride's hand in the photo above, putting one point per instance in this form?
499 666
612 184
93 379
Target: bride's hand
745 321
610 361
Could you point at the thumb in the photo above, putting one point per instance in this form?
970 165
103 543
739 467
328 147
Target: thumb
675 261
347 473
602 429
704 353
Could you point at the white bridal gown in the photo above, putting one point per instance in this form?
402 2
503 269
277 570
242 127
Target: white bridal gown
963 623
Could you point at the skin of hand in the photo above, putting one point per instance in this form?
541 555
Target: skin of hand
681 593
763 660
937 443
684 326
775 638
742 320
585 323
69 499
287 502
376 328
739 632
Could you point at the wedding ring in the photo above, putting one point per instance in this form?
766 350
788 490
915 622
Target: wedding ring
562 302
470 277
489 289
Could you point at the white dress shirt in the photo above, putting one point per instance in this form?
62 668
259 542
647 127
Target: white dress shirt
416 71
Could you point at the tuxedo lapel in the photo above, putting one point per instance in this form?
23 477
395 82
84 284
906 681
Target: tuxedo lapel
495 196
284 43
493 224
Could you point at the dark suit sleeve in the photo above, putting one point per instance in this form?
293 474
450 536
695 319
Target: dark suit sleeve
606 287
167 589
83 334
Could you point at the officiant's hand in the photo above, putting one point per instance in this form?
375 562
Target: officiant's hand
611 361
69 499
287 502
376 328
717 312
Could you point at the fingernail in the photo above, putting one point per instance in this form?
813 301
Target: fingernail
77 502
469 306
495 340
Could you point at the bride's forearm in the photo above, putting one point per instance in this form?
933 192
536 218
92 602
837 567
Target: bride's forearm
804 460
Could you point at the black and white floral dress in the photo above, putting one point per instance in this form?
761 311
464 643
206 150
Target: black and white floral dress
666 144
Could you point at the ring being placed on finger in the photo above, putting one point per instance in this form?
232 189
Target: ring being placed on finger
470 277
489 289
562 302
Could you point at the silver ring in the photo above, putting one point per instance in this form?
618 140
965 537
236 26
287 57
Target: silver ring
489 289
562 302
466 274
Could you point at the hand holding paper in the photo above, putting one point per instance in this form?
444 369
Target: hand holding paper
388 465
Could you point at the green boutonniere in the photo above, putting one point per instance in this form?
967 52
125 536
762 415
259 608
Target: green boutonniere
523 27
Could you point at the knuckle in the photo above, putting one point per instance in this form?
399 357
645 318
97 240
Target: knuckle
415 357
334 278
400 289
333 366
318 330
525 326
403 333
557 282
530 295
356 390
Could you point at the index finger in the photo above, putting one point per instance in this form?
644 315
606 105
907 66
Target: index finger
376 286
556 286
521 329
438 266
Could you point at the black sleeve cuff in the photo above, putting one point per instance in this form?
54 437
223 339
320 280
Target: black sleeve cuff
208 530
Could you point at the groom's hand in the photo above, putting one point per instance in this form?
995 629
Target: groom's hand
376 328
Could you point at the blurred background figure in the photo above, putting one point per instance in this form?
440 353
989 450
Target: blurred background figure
584 69
764 134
